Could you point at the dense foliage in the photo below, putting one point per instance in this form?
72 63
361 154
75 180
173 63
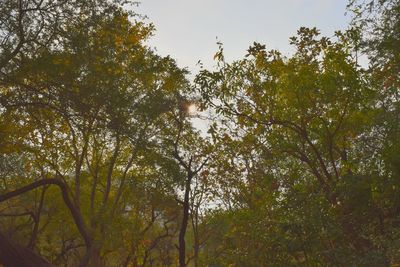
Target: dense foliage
102 164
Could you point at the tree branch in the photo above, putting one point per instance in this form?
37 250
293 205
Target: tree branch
77 217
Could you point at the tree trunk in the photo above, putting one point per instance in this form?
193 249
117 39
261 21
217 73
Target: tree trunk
185 219
13 255
35 230
195 225
95 258
75 213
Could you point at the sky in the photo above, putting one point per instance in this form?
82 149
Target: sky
188 30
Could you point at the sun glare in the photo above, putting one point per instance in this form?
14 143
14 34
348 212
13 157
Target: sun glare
192 109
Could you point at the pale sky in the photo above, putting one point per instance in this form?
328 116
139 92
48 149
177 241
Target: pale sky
189 29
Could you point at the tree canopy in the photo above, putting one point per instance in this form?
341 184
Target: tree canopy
102 164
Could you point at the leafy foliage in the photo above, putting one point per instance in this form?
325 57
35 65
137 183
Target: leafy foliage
102 165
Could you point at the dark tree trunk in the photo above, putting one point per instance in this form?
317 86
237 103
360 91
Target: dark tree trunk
13 255
35 230
195 225
185 219
76 215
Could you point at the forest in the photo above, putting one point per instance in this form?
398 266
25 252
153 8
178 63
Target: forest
102 163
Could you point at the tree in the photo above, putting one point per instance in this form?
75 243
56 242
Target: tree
102 165
308 114
92 104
